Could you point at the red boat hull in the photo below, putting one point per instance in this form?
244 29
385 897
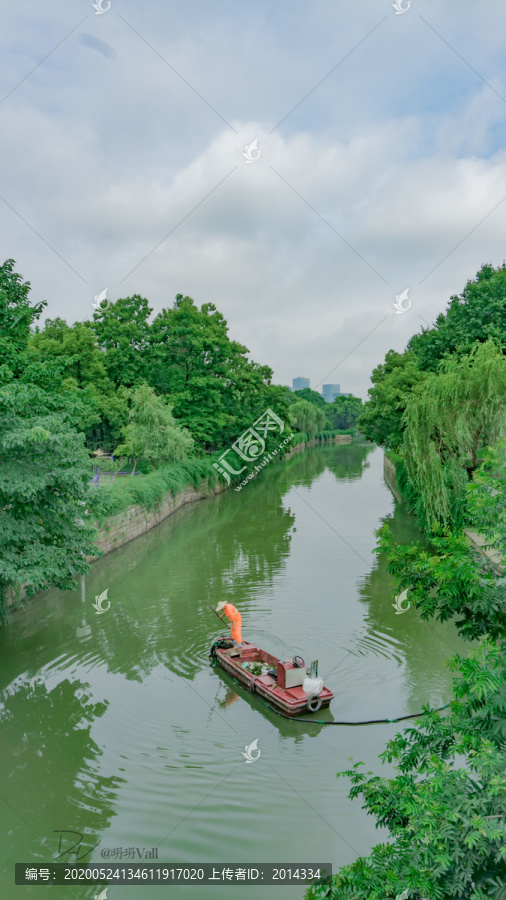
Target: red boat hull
291 701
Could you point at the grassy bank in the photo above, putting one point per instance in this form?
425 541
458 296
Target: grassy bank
148 490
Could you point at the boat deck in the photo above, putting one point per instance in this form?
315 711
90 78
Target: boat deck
290 700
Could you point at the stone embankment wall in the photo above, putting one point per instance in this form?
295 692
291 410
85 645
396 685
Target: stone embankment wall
477 541
136 520
390 477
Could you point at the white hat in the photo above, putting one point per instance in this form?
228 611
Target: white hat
221 605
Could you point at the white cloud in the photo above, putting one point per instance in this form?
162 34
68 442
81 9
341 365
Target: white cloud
400 150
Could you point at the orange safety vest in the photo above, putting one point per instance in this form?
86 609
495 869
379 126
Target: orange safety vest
235 625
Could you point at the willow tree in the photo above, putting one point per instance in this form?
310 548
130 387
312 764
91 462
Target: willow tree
305 416
153 433
461 410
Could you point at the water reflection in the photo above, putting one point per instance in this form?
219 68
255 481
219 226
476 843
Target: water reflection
46 742
115 725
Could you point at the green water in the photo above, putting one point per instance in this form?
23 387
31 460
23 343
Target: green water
114 726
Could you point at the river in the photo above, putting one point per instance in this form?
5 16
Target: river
115 727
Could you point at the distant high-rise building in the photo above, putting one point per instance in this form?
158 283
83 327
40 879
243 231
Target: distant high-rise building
330 392
298 384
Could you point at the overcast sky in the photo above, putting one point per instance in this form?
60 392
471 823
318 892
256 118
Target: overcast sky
379 167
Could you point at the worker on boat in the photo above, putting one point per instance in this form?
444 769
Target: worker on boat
235 619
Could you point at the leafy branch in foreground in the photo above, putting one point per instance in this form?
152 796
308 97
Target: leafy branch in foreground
487 497
449 580
447 822
445 806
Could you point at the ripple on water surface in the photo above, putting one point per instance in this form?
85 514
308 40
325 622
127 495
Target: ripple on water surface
146 738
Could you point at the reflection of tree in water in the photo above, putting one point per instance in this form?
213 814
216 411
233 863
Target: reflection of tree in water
346 461
351 461
378 584
419 643
213 550
218 550
47 749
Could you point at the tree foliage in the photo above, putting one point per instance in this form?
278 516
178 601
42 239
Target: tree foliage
75 346
311 397
446 821
344 411
462 408
305 416
487 497
16 317
152 432
122 331
69 354
394 381
44 470
216 391
476 315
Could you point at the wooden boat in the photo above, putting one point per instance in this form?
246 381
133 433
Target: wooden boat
280 686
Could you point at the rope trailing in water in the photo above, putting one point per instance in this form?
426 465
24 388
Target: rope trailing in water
367 722
297 719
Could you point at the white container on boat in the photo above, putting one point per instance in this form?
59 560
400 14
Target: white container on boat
312 685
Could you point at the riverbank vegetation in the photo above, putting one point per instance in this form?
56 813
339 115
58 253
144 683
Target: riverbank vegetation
445 806
439 404
440 409
156 397
340 415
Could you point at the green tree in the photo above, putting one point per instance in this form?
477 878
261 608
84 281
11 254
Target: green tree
311 397
16 318
478 314
461 409
75 346
306 417
393 383
216 391
122 330
152 433
344 412
44 471
446 821
447 583
71 353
